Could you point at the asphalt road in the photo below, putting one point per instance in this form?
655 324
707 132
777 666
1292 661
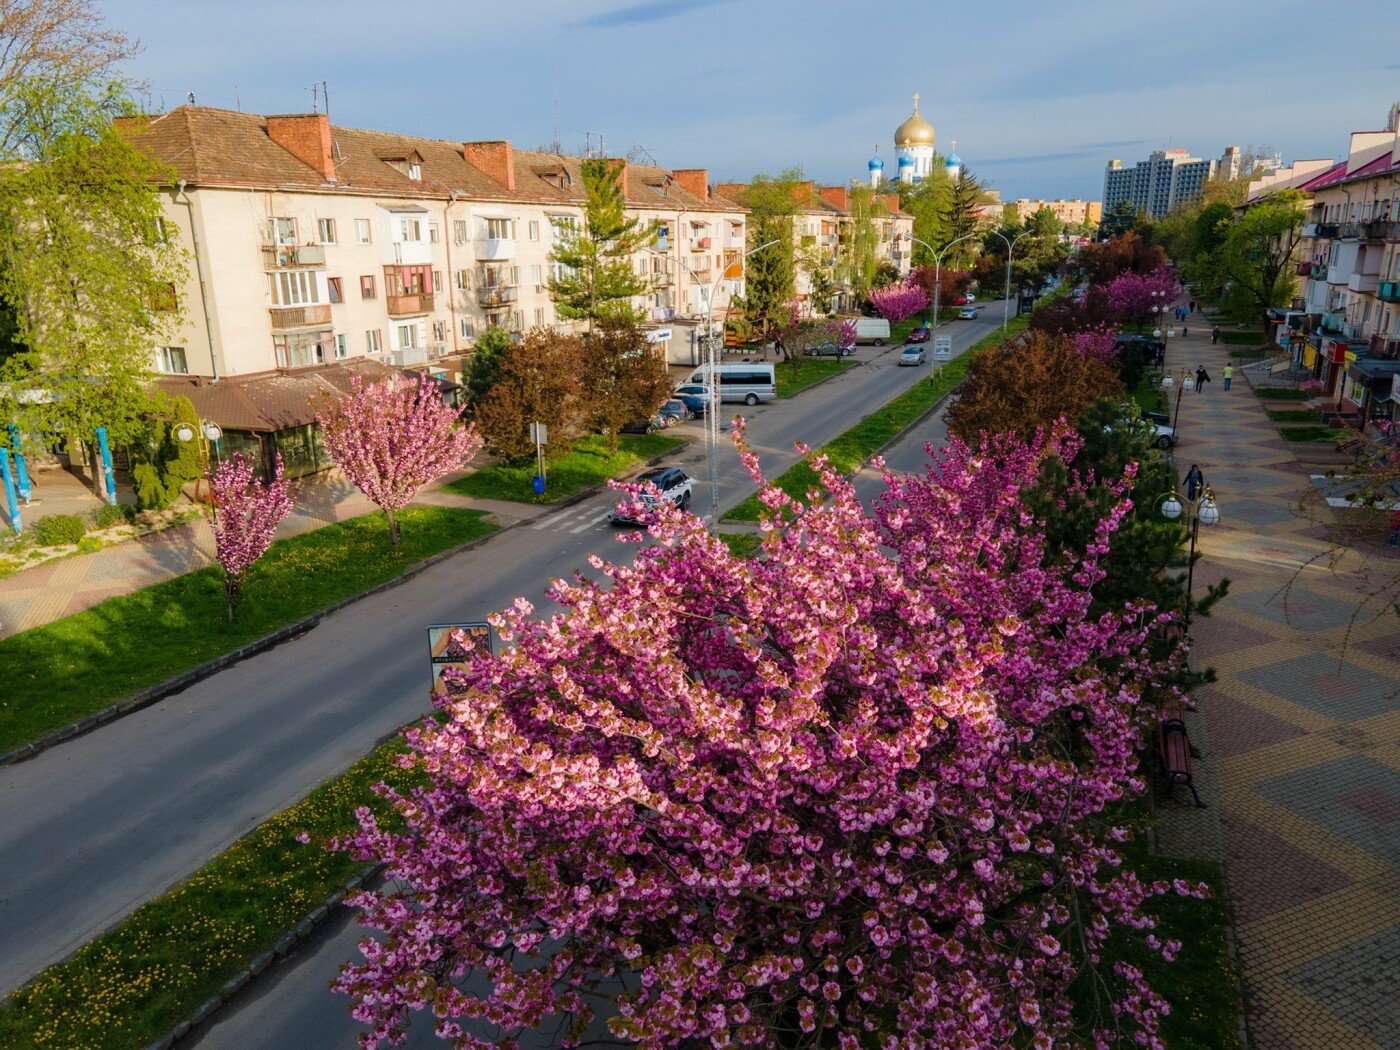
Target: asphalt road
291 1005
93 828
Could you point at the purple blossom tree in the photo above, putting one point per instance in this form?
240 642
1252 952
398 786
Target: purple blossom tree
851 794
899 301
392 437
1130 295
247 512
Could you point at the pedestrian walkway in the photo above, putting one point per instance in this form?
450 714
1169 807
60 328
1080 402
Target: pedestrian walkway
61 588
1300 735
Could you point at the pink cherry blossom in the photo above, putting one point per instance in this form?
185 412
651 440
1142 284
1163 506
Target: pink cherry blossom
247 512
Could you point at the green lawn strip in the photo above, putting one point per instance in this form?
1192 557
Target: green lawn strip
1250 355
590 463
1281 393
741 544
848 451
1319 434
1295 415
74 667
797 375
1254 338
133 984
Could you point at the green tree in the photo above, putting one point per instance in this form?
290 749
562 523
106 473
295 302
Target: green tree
770 275
483 369
87 269
930 202
861 260
597 280
623 379
963 216
1254 261
1118 220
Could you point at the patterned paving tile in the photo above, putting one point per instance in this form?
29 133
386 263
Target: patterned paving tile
1257 857
1356 797
1301 608
1258 511
1361 983
1238 727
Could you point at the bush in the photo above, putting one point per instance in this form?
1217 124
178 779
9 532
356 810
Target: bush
54 530
90 544
110 514
152 490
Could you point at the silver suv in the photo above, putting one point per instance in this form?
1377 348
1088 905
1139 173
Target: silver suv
672 483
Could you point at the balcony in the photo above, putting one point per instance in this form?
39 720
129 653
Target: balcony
1319 272
1349 231
1327 230
1385 347
1352 330
1309 229
495 248
289 256
497 294
1338 274
409 303
699 244
1332 322
285 317
1389 291
1305 269
1363 282
701 276
1374 230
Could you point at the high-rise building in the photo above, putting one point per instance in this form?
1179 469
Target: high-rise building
1158 184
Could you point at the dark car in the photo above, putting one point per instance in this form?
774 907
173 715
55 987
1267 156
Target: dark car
1152 350
672 412
695 405
672 484
830 349
919 335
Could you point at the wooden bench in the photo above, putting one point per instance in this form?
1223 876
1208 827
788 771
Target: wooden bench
1175 752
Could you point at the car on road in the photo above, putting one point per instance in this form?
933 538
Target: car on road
830 349
671 485
967 313
671 412
699 390
694 403
1160 433
962 300
913 354
919 335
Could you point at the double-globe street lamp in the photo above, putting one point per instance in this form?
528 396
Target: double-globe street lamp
1206 512
707 293
937 266
205 433
1010 250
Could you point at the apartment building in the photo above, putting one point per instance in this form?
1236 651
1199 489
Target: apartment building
1157 185
1071 212
311 243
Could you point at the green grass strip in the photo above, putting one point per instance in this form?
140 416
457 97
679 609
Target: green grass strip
74 667
796 376
1295 415
1236 338
848 451
1322 435
1281 393
130 986
741 544
589 464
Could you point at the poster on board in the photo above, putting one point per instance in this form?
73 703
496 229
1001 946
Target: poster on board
452 645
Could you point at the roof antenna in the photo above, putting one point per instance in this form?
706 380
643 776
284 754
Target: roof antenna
326 97
238 102
314 88
558 147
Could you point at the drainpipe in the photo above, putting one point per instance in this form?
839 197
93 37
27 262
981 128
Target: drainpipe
183 198
447 286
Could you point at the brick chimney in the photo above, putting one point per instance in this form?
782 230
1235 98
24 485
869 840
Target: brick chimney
695 181
836 196
306 136
802 194
733 191
492 159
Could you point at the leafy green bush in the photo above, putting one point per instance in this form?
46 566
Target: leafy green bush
110 514
54 530
90 544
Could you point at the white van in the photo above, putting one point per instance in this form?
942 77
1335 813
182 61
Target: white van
872 330
749 382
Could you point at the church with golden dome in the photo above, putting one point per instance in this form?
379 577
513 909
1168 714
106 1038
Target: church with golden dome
913 146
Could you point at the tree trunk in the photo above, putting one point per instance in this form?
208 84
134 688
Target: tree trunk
230 594
393 529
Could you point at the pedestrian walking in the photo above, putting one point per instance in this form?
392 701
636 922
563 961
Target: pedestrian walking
1194 481
1184 330
1202 378
1225 374
1395 528
1215 335
1193 306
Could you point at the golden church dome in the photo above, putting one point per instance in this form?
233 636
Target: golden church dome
915 131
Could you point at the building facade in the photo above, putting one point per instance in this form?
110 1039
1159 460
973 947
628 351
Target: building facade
913 147
1072 212
1157 185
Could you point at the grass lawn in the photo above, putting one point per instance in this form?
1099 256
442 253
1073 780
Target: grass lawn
133 984
851 449
1296 415
1232 337
1250 355
797 375
1320 434
741 544
589 464
74 667
1281 393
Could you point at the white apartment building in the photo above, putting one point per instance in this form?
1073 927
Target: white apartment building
1158 184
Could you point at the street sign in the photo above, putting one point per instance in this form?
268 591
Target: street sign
453 644
942 347
539 433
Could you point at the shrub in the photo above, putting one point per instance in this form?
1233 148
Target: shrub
110 514
152 492
90 544
54 530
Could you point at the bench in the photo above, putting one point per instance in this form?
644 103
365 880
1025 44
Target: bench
1175 752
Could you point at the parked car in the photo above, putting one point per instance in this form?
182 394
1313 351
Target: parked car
962 300
967 313
919 335
1153 350
1160 433
913 354
693 403
699 390
673 411
830 349
672 485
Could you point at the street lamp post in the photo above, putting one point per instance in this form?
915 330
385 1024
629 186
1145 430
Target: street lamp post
203 433
937 265
1206 512
1010 249
707 293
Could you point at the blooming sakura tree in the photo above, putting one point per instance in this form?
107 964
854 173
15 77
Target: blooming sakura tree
899 301
801 333
1130 295
247 512
852 794
393 437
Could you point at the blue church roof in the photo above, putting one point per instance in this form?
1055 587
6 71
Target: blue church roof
876 164
906 161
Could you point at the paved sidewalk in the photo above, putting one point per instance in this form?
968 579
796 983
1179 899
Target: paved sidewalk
61 588
1300 736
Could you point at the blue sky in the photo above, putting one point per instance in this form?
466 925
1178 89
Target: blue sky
1039 96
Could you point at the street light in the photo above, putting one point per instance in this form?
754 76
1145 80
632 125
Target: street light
1010 248
937 264
707 293
203 433
1206 513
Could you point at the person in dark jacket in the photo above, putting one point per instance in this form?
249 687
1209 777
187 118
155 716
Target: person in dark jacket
1194 481
1202 378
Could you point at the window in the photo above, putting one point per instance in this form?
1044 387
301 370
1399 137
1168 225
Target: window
439 331
564 225
361 231
372 341
415 170
298 349
294 288
282 231
534 229
163 298
535 277
517 320
515 275
437 282
325 230
459 231
464 279
539 315
406 332
466 327
432 233
341 352
171 360
160 233
410 230
498 229
333 290
367 286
